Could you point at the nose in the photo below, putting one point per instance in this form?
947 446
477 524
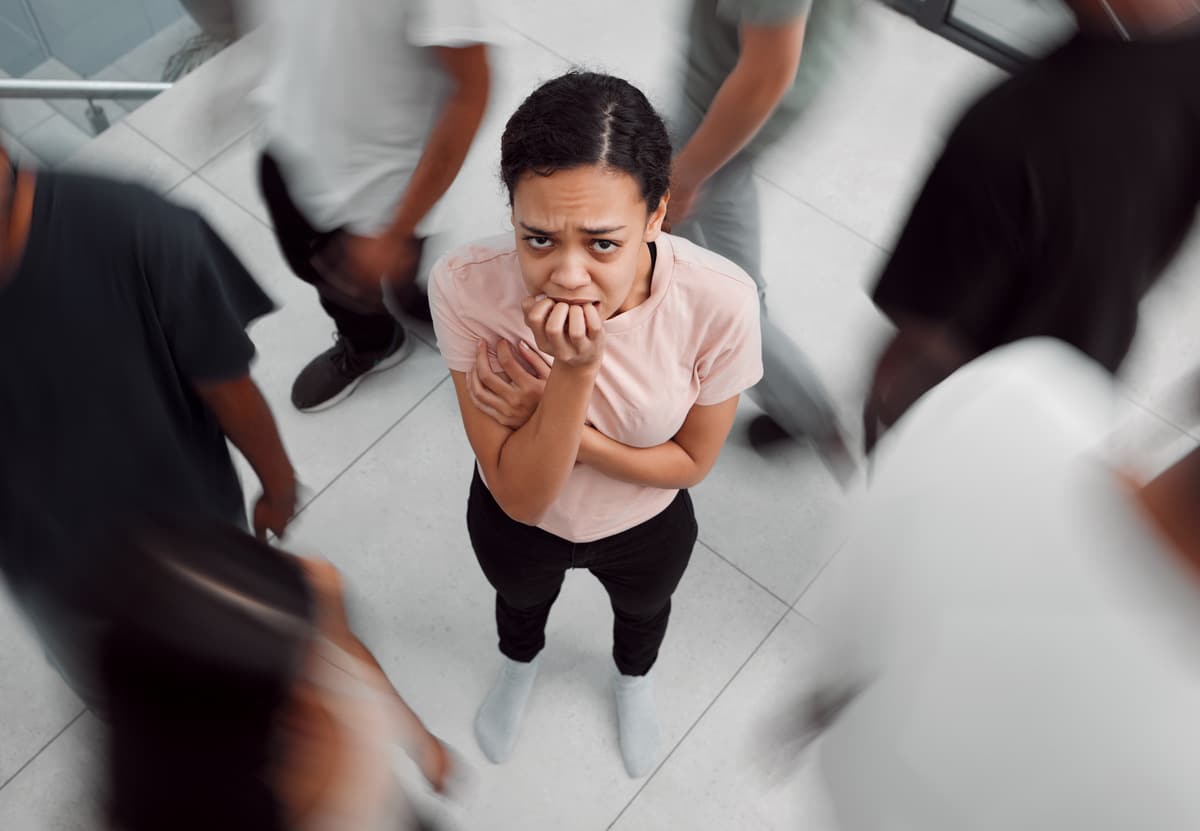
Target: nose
571 273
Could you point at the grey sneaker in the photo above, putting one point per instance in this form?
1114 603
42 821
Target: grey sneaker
330 377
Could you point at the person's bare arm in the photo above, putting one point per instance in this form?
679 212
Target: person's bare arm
423 747
246 419
395 252
766 69
526 468
452 135
682 462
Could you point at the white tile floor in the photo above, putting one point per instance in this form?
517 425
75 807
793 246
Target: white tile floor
389 468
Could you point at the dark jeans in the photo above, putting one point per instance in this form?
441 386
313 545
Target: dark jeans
367 330
639 569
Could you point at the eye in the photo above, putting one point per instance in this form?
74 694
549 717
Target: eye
539 243
605 246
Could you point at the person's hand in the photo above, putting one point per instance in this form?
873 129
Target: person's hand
573 334
273 512
436 764
388 257
510 397
680 205
685 187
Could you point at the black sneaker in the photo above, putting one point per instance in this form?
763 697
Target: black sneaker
330 377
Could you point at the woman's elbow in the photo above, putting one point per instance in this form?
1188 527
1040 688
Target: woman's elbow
519 507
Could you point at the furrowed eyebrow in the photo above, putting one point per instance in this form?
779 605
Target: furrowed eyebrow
591 232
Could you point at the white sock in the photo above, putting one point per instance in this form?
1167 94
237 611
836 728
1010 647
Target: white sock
500 715
637 721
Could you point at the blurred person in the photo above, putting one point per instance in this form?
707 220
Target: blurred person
372 106
126 367
237 695
1013 620
598 364
1059 199
753 68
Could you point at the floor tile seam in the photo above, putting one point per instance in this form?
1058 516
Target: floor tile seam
321 492
43 749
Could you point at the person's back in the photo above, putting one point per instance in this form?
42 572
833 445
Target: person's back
1061 196
126 367
120 297
1019 631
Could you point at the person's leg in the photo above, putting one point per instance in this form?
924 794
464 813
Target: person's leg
369 338
526 567
727 221
640 569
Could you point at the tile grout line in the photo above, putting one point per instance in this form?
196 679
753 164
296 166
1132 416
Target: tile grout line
1136 400
817 576
192 171
42 750
768 180
699 719
370 447
739 570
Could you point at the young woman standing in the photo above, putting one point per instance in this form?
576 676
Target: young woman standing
620 353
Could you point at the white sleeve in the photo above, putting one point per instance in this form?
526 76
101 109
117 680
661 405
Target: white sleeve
453 23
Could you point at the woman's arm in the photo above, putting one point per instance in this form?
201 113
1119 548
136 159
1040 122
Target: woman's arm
682 462
526 468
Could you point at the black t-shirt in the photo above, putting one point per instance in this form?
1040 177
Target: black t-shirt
1059 199
121 301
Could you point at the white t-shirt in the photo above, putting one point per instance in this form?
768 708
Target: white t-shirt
353 93
1030 648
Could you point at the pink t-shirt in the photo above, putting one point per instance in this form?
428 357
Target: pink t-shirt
694 341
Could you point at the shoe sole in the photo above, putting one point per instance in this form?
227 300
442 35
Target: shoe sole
395 359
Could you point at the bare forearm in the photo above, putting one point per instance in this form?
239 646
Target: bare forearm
443 157
246 420
740 109
666 465
536 460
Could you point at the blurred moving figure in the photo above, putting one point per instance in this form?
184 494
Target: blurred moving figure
753 67
238 697
125 367
1059 199
1019 618
372 107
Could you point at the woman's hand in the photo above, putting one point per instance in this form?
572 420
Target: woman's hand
510 397
572 334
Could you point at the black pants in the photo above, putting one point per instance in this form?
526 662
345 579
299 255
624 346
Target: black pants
639 569
367 331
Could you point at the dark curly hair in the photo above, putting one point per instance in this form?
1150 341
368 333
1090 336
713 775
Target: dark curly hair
585 118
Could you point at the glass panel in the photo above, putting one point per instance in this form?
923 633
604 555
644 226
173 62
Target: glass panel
1029 26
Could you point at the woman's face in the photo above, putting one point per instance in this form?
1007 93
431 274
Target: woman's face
581 235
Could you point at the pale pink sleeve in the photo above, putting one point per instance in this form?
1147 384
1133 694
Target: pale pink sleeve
732 359
455 338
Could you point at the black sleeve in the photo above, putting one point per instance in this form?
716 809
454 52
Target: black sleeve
959 260
203 295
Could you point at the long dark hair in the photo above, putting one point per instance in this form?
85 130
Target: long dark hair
205 630
585 118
